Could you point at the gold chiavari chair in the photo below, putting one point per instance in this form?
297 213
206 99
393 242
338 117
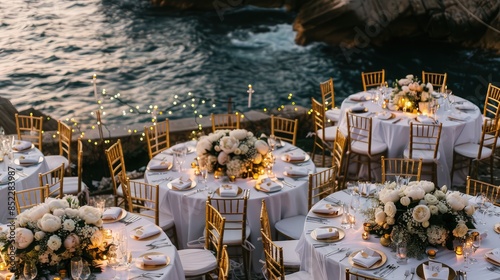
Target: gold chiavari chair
284 129
492 102
116 164
338 157
54 179
404 167
324 135
328 98
75 185
351 275
65 134
437 80
26 199
224 264
225 121
30 128
475 187
372 79
157 137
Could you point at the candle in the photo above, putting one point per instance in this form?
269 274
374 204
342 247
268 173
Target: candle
108 234
365 235
250 91
367 227
2 266
431 253
459 250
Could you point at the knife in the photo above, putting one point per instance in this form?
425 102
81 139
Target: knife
396 121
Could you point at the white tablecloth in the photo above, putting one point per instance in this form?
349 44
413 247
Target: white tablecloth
321 267
188 207
397 135
26 177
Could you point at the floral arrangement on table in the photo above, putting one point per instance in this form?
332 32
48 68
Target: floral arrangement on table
422 215
409 91
53 232
232 150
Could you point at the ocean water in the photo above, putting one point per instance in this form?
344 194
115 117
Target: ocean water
189 64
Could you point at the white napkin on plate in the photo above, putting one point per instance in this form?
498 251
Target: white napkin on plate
327 209
436 274
494 255
384 115
296 171
366 257
112 213
31 159
459 116
228 190
425 119
146 231
298 156
181 184
325 233
367 189
269 185
362 96
358 108
20 145
159 165
154 260
465 106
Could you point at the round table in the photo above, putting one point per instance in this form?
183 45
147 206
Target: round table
320 266
188 207
395 132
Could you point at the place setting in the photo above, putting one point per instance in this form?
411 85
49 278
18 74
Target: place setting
327 234
328 210
152 261
113 214
367 259
268 185
181 184
145 233
28 160
432 270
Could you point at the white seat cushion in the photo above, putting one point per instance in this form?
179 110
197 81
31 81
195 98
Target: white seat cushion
489 142
197 261
291 226
70 185
166 220
300 275
56 161
426 155
471 150
232 236
330 133
290 257
362 147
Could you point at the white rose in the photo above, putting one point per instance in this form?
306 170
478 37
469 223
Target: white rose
390 209
228 144
424 96
71 242
415 193
59 212
54 242
72 213
421 213
387 195
237 152
38 211
223 158
90 215
49 223
455 201
39 235
261 147
461 229
410 77
69 225
380 216
203 146
427 186
434 209
439 194
469 210
239 134
56 203
429 87
23 238
442 207
430 199
217 148
257 159
444 188
405 88
390 220
405 201
244 149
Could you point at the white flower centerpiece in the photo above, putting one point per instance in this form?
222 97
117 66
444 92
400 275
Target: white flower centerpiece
53 232
231 150
422 215
409 91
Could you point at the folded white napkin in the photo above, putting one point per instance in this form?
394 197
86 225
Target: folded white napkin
298 156
181 184
367 189
296 171
31 159
358 108
366 257
384 115
465 106
436 274
4 177
326 233
269 185
362 96
112 213
425 119
459 116
494 255
20 145
159 165
228 190
146 231
327 209
154 260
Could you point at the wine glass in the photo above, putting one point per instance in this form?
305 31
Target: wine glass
476 243
467 251
355 202
180 151
29 270
76 267
85 270
396 237
272 141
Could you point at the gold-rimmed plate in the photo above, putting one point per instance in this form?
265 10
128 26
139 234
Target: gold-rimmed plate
122 215
151 237
306 158
379 263
330 239
496 228
164 166
332 214
24 150
193 184
257 187
486 256
27 164
384 117
237 194
142 266
420 270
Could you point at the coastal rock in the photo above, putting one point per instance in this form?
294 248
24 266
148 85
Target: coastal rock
7 113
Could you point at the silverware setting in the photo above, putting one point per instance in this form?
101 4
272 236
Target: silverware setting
380 271
281 179
147 275
396 121
347 254
336 251
130 219
333 200
389 271
321 245
193 192
155 241
317 219
493 268
412 273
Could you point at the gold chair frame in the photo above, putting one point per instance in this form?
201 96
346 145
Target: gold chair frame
425 138
327 93
322 184
54 180
437 80
30 128
401 167
372 79
225 121
475 187
65 137
142 198
157 137
275 269
351 275
284 129
224 264
338 157
492 102
214 231
320 141
117 170
25 199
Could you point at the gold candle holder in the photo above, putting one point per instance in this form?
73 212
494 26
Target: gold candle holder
459 250
367 227
365 235
232 178
2 266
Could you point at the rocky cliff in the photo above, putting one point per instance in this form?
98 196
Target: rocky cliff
359 23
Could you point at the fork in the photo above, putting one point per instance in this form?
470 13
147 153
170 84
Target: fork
387 267
412 273
338 250
346 255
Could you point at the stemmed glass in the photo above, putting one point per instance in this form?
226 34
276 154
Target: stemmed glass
180 151
272 141
76 267
85 270
476 243
467 251
29 270
397 238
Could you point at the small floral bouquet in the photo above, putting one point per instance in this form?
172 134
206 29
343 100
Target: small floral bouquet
409 91
53 232
422 214
232 150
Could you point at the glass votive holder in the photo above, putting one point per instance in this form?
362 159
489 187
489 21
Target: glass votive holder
2 266
365 235
352 220
401 254
459 250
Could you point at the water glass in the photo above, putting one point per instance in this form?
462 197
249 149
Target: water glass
401 253
85 270
272 141
179 151
30 271
76 267
467 252
345 222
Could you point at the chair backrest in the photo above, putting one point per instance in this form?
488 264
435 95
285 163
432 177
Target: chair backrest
116 164
321 185
327 94
318 114
351 275
475 187
489 136
404 167
234 210
372 79
492 103
79 159
225 121
424 138
65 136
54 179
265 226
30 128
275 269
157 137
284 129
214 230
339 152
28 198
142 198
437 80
224 264
359 130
